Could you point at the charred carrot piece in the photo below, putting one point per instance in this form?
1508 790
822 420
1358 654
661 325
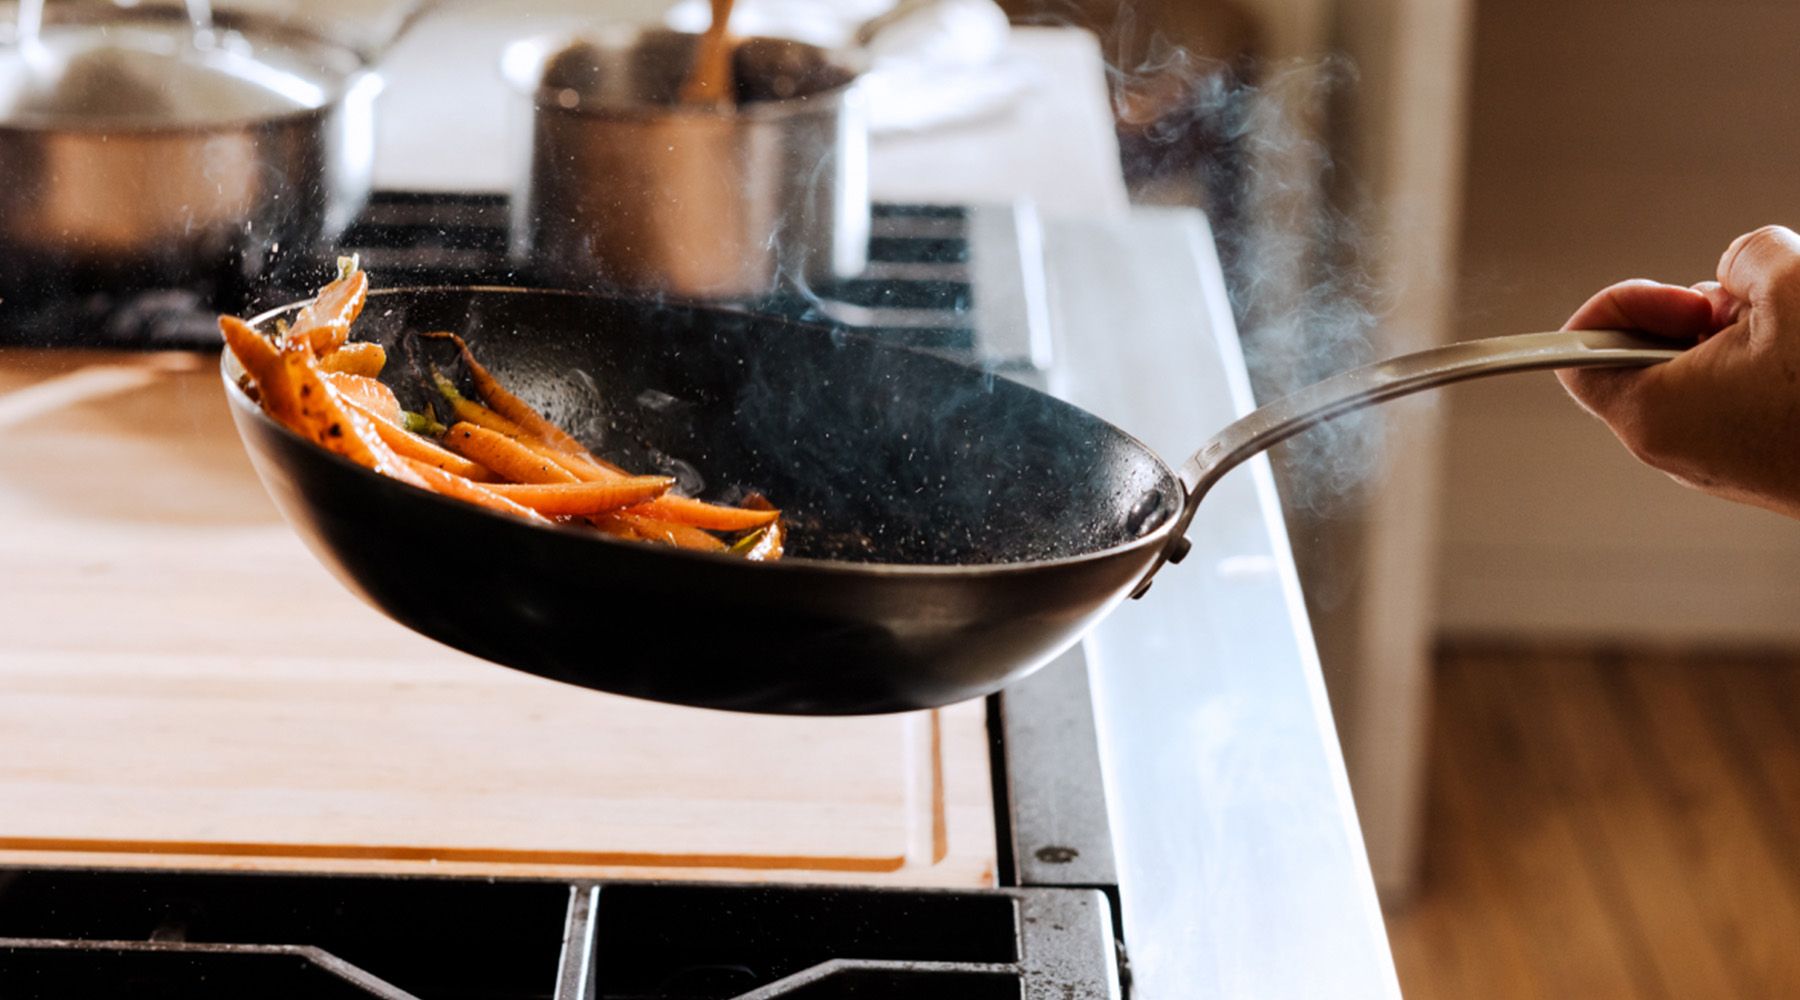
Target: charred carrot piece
451 485
508 405
406 444
254 351
504 455
360 358
563 499
652 530
369 394
325 322
700 514
297 395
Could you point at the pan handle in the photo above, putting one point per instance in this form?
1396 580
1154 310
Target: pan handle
1384 380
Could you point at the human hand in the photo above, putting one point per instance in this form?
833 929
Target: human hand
1724 416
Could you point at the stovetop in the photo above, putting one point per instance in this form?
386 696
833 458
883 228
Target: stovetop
961 280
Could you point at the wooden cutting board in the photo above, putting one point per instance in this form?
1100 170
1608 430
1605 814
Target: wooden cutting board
182 684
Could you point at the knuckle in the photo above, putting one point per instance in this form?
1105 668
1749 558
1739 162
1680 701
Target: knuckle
1772 250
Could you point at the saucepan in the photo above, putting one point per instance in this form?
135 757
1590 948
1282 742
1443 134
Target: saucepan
164 146
623 185
950 530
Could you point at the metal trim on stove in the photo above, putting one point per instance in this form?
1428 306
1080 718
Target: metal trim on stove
1056 795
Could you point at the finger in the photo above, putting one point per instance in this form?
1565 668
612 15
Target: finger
1761 264
1648 306
1725 305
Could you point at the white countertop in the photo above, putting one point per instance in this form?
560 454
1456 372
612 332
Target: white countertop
1242 865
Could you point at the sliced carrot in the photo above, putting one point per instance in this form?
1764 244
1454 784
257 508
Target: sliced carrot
700 514
325 322
297 395
406 444
360 358
669 533
508 405
584 498
504 455
451 485
254 351
372 395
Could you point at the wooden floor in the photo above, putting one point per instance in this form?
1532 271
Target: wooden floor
1609 825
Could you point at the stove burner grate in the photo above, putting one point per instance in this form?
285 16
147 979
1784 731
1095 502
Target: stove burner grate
966 281
204 935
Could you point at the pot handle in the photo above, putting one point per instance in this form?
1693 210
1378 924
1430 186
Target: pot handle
1381 381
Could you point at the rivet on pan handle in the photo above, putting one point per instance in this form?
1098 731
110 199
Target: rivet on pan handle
1381 381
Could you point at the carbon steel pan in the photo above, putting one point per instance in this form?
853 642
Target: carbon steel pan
950 531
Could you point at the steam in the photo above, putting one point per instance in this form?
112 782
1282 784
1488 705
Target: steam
1253 145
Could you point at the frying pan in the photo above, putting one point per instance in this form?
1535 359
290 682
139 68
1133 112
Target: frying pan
951 531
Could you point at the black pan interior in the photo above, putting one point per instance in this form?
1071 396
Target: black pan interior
876 454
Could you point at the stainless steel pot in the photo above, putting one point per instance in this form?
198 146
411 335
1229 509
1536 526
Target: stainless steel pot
621 186
137 154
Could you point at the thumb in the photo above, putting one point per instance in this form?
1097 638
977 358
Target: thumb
1646 306
1761 266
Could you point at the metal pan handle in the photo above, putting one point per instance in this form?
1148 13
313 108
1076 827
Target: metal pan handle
1384 380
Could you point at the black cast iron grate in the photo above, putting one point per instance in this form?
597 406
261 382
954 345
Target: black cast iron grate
209 935
920 288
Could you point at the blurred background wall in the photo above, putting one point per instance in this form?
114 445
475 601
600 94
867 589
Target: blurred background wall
1609 139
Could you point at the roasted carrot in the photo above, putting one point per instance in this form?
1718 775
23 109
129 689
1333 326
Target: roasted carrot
253 350
325 322
583 465
504 455
700 514
360 358
406 444
667 532
366 392
584 498
297 395
465 409
591 468
451 485
508 405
